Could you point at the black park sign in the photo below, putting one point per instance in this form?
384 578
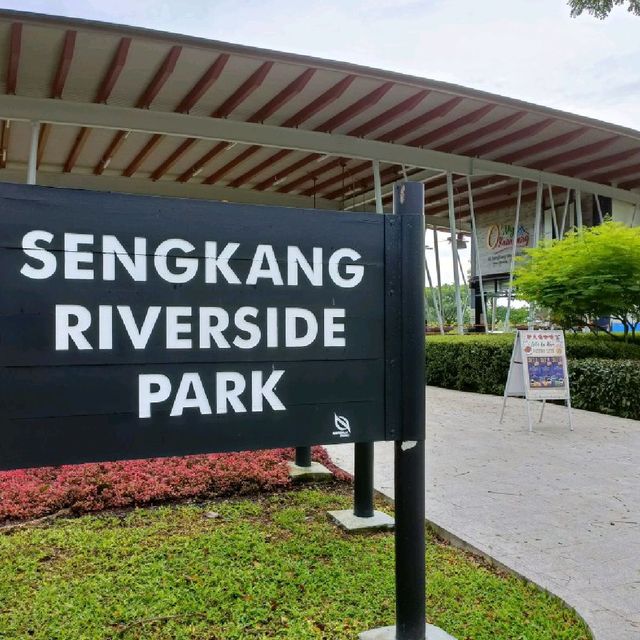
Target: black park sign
138 327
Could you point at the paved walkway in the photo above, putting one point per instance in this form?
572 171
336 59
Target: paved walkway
561 508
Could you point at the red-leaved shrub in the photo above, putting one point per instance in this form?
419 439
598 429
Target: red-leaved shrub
32 493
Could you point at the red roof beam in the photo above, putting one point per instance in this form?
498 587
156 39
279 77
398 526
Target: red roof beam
409 104
588 168
43 138
199 165
205 82
324 166
631 184
104 91
159 80
508 202
454 146
451 127
355 109
251 84
142 155
371 125
364 103
528 194
542 147
565 157
114 71
436 112
348 174
15 45
280 176
392 172
387 176
116 142
509 138
265 164
319 103
145 99
284 96
614 174
239 159
64 64
301 116
435 197
480 197
168 162
57 87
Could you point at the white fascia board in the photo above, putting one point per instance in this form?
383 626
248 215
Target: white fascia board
50 177
206 128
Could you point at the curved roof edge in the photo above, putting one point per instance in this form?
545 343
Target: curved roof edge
334 65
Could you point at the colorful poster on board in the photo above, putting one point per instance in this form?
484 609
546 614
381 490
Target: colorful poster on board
544 364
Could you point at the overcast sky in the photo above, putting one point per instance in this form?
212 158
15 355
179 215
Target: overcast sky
526 49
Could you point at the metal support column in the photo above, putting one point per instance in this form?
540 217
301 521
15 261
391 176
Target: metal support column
514 249
536 241
408 201
363 460
474 240
599 208
436 253
578 209
554 217
538 218
363 480
434 296
377 186
567 200
303 456
454 250
32 164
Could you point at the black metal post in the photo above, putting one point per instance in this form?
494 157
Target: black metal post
363 480
303 456
408 202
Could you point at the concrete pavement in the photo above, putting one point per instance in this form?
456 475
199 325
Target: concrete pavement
558 507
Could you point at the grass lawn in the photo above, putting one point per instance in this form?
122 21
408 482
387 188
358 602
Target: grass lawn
271 566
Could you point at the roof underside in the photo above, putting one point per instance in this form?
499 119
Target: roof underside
80 62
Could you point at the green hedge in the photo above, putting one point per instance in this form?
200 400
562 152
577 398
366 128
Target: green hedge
598 368
606 386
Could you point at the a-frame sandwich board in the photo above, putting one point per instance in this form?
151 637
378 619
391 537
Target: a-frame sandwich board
538 371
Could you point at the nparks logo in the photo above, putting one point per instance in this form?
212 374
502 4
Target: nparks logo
342 426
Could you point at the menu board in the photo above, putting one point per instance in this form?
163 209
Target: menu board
544 364
538 370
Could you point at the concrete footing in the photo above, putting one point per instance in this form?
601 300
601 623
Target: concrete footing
389 633
313 473
349 522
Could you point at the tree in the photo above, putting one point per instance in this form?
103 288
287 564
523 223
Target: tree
601 8
590 274
449 315
517 315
